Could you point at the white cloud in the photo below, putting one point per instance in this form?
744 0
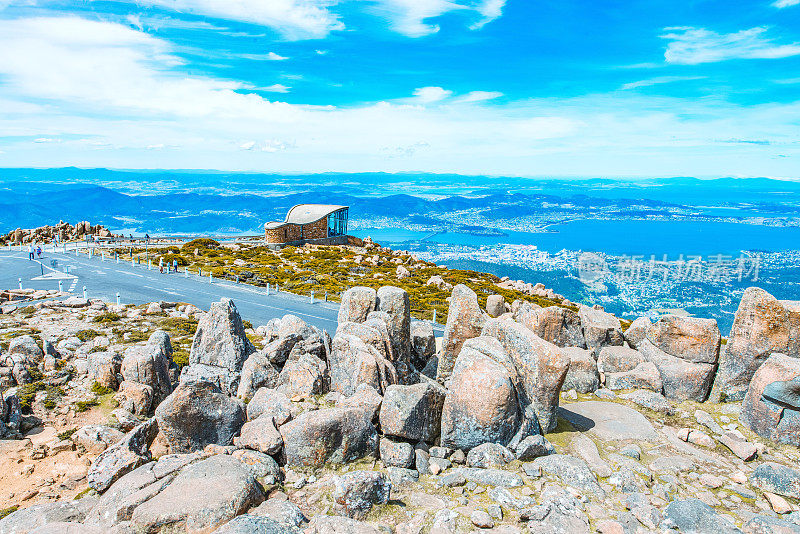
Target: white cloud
102 85
491 10
479 96
295 19
321 52
272 56
100 63
780 4
411 17
428 95
658 80
277 88
692 46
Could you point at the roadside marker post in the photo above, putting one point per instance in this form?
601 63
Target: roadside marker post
267 288
84 292
186 272
434 316
149 264
312 298
326 296
117 298
60 287
210 278
20 283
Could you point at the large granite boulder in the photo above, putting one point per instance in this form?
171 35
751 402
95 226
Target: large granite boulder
257 372
483 402
27 347
353 362
560 326
412 412
373 331
149 364
541 365
636 331
260 435
582 375
762 325
692 339
599 328
103 368
396 305
203 496
685 351
495 305
303 376
219 348
357 491
681 379
197 414
337 435
465 320
122 458
771 407
357 303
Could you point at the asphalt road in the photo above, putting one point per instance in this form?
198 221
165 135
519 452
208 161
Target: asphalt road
138 285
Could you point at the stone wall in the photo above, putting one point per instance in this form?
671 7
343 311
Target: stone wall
294 232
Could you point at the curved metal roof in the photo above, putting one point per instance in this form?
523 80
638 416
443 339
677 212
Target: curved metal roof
305 214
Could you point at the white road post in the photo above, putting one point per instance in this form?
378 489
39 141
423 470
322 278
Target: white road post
117 298
186 272
267 288
210 278
312 298
133 264
149 264
20 283
60 286
434 316
84 292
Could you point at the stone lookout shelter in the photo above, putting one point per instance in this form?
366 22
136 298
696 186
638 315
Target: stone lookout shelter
324 224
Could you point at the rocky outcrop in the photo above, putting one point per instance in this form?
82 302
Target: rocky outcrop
560 326
356 492
336 435
465 320
122 458
483 403
220 348
599 328
412 412
495 305
197 414
771 407
357 303
685 351
541 366
396 307
203 496
149 364
762 325
582 374
353 362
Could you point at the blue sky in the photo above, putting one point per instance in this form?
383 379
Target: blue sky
498 87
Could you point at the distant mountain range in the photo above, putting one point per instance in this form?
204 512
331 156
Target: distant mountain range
211 202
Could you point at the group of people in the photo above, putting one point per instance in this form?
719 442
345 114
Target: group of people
34 252
171 266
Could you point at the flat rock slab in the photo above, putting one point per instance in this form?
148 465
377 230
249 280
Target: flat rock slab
609 421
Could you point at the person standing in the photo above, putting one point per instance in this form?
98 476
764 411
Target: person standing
30 252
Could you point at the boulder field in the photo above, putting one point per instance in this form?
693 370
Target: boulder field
164 418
